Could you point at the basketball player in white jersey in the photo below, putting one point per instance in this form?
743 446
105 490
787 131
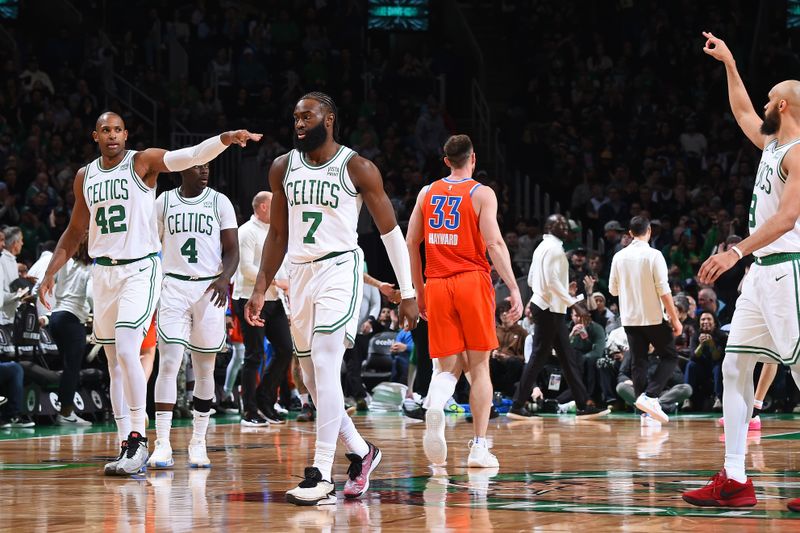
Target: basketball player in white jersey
198 231
115 200
317 193
766 323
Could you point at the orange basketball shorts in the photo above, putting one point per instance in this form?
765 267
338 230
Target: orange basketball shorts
150 339
460 314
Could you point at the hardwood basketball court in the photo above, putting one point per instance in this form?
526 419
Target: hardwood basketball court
556 474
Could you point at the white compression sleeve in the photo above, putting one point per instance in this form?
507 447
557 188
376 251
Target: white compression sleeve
199 154
401 263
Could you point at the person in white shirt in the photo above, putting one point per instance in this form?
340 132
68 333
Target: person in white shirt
12 237
261 396
639 278
71 309
549 280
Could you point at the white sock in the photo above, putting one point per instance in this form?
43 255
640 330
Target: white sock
758 404
304 398
200 424
353 441
163 424
323 458
123 426
138 415
737 407
441 389
480 441
295 393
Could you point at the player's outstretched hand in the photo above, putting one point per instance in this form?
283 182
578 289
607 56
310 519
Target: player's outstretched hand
219 292
516 305
240 137
252 311
388 290
45 288
716 48
408 313
716 265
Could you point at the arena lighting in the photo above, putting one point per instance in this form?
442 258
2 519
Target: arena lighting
398 15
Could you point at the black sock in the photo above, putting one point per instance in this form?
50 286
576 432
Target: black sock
756 412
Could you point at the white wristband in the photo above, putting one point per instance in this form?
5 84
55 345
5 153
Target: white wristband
401 263
738 251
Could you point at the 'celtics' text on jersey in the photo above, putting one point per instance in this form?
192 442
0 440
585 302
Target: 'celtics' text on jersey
323 206
190 231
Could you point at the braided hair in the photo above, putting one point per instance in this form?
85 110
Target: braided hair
328 102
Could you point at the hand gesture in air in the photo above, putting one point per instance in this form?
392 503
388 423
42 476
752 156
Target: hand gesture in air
716 48
240 137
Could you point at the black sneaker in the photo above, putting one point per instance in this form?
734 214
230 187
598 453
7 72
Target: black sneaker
361 405
307 414
417 413
592 411
274 417
295 404
520 413
22 421
313 490
136 455
492 414
254 421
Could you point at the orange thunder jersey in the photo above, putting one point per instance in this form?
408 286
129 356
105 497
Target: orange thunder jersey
453 241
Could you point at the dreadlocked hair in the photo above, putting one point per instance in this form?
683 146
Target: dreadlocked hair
328 102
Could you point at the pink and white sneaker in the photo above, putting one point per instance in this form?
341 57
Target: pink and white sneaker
754 425
359 471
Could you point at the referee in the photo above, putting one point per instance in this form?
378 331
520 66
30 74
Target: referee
549 280
639 278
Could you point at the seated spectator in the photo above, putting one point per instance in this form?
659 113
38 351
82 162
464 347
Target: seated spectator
588 339
401 348
11 374
602 315
707 352
674 394
684 340
12 246
507 361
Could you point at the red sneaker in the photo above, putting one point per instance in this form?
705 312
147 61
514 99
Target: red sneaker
359 471
722 492
794 505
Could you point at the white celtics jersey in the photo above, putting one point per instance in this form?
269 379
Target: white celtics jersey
190 232
323 207
122 223
767 192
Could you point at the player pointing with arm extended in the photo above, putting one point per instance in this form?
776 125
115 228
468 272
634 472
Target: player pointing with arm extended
765 325
115 200
317 192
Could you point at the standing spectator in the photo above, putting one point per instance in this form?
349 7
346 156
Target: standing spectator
549 280
639 278
707 352
68 328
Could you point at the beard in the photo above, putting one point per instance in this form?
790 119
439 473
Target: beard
771 123
315 137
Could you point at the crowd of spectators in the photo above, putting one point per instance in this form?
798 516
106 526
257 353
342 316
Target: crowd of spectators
619 114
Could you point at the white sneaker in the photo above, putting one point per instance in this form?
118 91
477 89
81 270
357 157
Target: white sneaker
110 469
162 455
313 490
72 420
198 457
279 408
433 441
481 457
717 405
652 407
135 458
567 408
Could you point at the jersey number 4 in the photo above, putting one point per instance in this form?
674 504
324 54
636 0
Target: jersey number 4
189 250
445 212
111 220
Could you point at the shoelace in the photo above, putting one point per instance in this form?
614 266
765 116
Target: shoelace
133 448
311 476
356 466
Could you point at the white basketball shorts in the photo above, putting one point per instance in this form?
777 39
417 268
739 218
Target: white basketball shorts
766 322
187 316
125 296
324 296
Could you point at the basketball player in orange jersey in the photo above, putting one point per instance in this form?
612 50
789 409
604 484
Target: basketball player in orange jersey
457 219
